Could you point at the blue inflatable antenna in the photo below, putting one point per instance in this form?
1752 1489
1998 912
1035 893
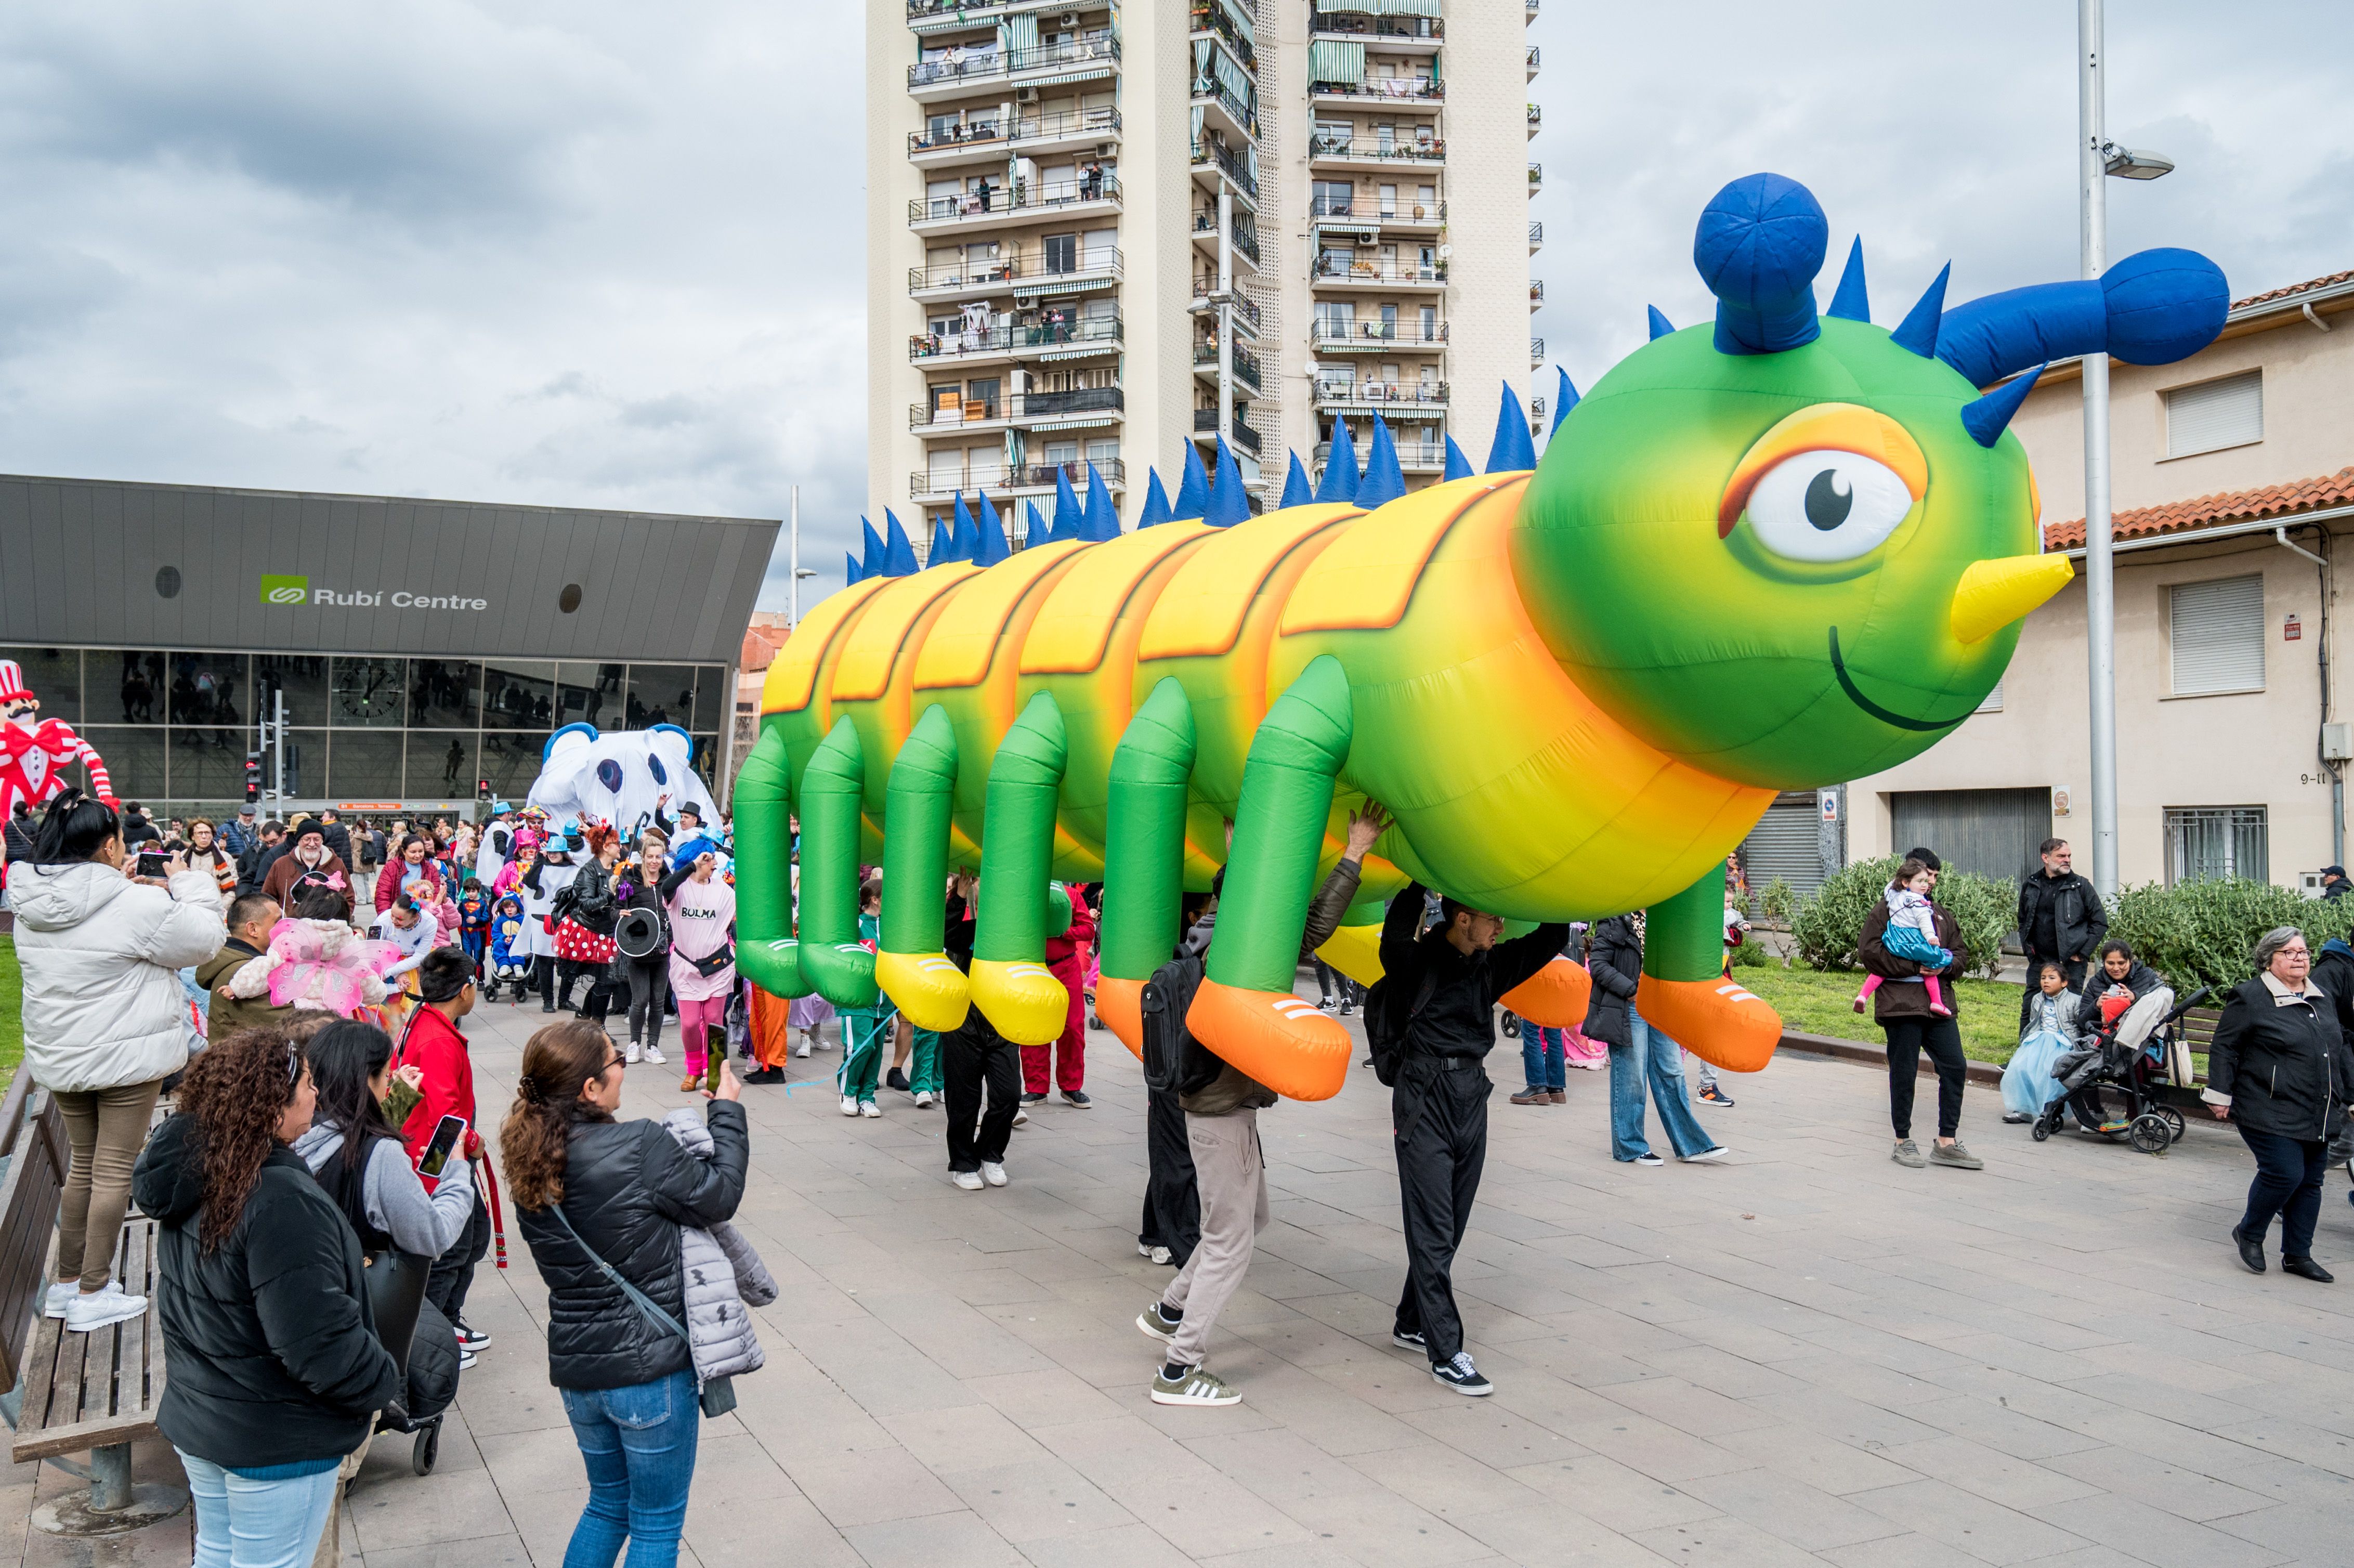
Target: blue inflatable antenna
949 538
898 554
1037 530
1340 465
870 565
1660 326
1987 418
1849 302
1192 487
850 572
1918 330
1297 491
989 546
1458 465
1228 503
1156 501
1565 398
1101 519
1067 507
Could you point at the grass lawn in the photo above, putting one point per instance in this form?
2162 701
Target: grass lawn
12 1013
1814 1003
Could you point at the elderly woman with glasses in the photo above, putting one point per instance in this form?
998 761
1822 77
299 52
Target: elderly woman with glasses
2280 1067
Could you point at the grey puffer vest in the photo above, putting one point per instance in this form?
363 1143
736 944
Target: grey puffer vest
725 1278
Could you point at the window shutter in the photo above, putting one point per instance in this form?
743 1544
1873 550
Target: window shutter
1993 703
2215 414
2218 635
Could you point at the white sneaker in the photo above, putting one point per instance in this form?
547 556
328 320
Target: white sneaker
869 1108
633 1054
84 1313
967 1180
1021 1118
992 1172
849 1106
466 1358
923 1099
53 1304
653 1054
801 1049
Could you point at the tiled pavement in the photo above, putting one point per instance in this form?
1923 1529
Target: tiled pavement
1806 1354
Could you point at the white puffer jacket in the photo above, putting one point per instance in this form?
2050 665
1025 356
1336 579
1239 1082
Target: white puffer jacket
103 1006
723 1278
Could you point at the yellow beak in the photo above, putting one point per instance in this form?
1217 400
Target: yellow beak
1993 594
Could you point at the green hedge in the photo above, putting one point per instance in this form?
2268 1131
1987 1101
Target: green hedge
1826 926
2205 933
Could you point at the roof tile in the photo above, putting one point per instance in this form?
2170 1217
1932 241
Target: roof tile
2269 295
2209 511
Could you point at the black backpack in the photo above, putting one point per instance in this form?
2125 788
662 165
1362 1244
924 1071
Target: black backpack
1173 1059
1386 1026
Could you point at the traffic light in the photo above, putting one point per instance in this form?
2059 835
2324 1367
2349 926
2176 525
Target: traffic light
252 777
481 789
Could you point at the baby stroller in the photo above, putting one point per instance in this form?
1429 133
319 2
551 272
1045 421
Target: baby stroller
507 965
2111 1083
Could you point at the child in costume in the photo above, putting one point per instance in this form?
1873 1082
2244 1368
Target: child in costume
1912 934
510 965
474 921
315 960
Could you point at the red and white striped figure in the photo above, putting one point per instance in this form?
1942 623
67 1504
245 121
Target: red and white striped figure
34 753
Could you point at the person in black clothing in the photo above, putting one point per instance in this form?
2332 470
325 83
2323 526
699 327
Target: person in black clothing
274 1369
973 1057
20 830
644 980
2333 882
138 827
2280 1067
1912 1027
1170 1224
2060 920
338 837
1442 986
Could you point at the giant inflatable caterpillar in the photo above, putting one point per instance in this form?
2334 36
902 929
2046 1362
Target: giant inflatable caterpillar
1785 549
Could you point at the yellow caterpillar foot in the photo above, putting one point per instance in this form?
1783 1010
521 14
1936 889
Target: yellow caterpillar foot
1121 1005
928 988
1355 951
842 972
1024 999
1274 1037
1718 1021
1555 996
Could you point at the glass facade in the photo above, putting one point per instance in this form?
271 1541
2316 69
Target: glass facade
174 725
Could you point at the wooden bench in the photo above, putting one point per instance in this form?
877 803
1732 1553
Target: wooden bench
33 1157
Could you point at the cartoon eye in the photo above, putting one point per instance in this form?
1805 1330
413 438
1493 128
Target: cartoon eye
609 774
1827 506
655 767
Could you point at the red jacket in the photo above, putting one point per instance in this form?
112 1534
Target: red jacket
1066 954
398 874
434 1044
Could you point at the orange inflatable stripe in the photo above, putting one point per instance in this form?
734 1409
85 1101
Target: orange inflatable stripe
1202 610
1075 625
876 641
792 677
964 638
1368 586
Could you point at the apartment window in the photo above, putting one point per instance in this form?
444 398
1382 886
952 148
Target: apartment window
1103 452
1386 135
1334 198
2217 631
1061 451
1335 319
2204 842
1430 323
1389 321
980 399
2215 414
1389 201
1062 252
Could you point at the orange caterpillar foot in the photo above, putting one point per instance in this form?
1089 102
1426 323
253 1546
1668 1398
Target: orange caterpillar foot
1121 1005
1283 1041
1555 996
1717 1021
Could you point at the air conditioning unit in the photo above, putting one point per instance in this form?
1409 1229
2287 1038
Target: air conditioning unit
1026 95
1070 18
1106 149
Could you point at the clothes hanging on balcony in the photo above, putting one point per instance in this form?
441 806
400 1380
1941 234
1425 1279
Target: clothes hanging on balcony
1332 63
1018 36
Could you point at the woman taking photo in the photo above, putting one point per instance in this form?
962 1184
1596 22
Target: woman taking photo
106 1021
2279 1067
358 1156
602 1201
275 1373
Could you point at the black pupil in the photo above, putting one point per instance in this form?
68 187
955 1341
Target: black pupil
1827 504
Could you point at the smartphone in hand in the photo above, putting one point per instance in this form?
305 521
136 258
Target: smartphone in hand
440 1146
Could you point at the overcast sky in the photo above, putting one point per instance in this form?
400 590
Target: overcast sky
611 255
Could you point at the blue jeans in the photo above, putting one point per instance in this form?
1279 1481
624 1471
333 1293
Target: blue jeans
638 1443
243 1523
1659 1060
1541 1056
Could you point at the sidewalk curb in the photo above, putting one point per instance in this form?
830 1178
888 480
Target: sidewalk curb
1864 1053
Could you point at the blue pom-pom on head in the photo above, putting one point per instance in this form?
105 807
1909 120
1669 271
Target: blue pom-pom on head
1760 242
2164 305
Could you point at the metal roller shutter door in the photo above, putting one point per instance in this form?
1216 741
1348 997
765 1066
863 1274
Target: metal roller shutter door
1787 842
1994 832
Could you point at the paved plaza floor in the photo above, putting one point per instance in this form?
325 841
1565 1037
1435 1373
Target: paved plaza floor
1804 1355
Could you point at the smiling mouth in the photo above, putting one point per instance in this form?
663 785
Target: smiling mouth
1855 695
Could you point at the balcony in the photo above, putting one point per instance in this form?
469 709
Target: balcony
1212 17
1536 117
1024 409
1375 31
1066 338
1533 7
1536 235
1536 293
1382 396
1036 133
962 69
1245 363
1214 94
1330 336
1536 352
1246 239
1413 457
1344 152
1332 271
1205 426
943 483
1537 175
1020 272
1379 90
1218 155
1206 300
1534 54
997 204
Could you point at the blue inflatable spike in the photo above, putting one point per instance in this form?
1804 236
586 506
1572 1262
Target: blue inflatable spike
1037 530
850 572
1156 502
1297 491
949 538
1660 326
1565 398
1918 330
1458 465
2152 308
1067 507
898 552
1848 302
1192 487
1987 418
1101 519
1759 244
1228 503
989 546
871 564
1340 465
1384 481
1514 448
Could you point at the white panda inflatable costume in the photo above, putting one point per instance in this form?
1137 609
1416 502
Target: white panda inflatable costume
623 779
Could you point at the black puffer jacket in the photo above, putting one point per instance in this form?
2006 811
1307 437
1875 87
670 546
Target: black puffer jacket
2079 919
589 898
2140 979
627 1187
2284 1069
1460 1018
268 1342
1614 956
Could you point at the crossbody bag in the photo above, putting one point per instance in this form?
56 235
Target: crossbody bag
717 1397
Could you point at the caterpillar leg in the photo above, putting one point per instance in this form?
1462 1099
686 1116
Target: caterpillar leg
1245 1010
765 949
912 968
1011 983
831 956
1144 856
1683 992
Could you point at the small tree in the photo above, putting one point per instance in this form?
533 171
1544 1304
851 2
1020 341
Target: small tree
1779 901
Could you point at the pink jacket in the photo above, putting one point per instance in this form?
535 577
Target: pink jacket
700 915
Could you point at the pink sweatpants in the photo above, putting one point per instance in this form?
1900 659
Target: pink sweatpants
693 1018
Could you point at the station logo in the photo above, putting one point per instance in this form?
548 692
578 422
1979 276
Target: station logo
281 589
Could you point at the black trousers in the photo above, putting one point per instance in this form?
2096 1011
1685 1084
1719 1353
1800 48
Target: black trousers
453 1271
2073 967
1439 1114
649 983
542 980
1942 1038
972 1058
570 970
2288 1184
1172 1203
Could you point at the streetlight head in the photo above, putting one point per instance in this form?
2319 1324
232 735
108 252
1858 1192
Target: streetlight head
803 572
2133 162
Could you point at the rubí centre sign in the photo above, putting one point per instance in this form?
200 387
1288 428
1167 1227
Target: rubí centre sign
281 589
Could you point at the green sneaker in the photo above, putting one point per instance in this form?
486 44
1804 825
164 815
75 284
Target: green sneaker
1198 1386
